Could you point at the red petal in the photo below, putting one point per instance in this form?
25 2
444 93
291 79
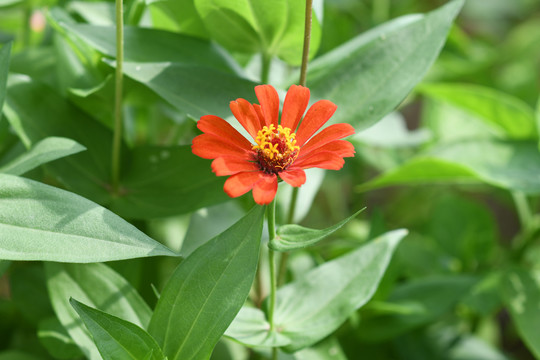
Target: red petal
215 125
224 166
295 105
211 147
241 183
342 148
293 177
265 189
331 133
317 115
244 112
259 112
269 100
323 160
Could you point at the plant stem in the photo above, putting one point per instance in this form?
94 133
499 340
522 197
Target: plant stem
523 209
117 137
271 216
266 61
307 39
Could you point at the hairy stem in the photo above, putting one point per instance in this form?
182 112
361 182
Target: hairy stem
117 137
271 216
307 39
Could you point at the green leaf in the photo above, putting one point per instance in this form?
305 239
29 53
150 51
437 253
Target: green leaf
5 51
370 75
178 16
506 114
115 338
192 89
422 170
312 307
165 181
207 290
41 222
97 285
42 152
250 328
4 265
291 236
151 45
421 301
54 337
522 296
16 355
248 26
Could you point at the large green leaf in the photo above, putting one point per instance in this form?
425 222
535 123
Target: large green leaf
507 114
312 307
5 51
96 285
522 296
291 236
370 75
42 152
41 222
115 338
271 27
164 181
193 89
207 290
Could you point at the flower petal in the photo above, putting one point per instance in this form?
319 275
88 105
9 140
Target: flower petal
258 110
323 160
269 100
244 112
224 166
296 102
210 146
265 189
342 148
329 134
293 177
317 115
215 125
241 183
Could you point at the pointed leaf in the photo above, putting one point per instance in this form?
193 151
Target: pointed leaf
97 285
207 290
41 222
312 307
115 338
42 152
292 236
522 296
371 74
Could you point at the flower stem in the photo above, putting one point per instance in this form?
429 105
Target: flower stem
307 39
117 137
266 61
271 216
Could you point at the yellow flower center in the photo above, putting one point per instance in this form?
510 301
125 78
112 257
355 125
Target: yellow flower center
276 148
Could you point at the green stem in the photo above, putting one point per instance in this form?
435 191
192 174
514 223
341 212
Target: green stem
523 209
271 216
117 137
26 30
266 61
307 39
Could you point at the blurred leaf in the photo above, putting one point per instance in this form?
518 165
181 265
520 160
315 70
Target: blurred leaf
5 51
370 75
95 13
29 293
250 328
178 16
427 300
17 355
314 306
42 152
98 285
328 349
522 296
115 338
503 112
4 265
273 28
41 222
165 181
207 290
54 337
192 89
151 45
422 170
291 236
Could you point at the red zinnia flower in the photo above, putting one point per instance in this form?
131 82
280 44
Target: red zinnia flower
283 150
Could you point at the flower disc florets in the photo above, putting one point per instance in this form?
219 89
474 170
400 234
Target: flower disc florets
276 148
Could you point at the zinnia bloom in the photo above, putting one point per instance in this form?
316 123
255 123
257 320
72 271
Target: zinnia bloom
278 149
